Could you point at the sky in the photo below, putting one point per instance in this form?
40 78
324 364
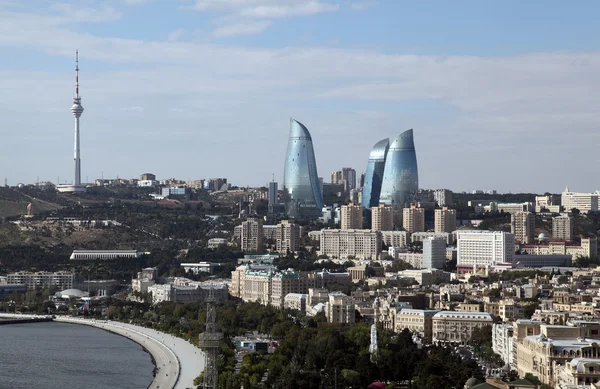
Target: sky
501 95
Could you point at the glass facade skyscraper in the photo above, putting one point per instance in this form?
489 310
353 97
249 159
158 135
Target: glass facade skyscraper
400 177
374 174
302 190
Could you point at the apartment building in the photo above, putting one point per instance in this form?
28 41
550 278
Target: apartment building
445 220
584 202
340 309
351 217
443 197
457 327
382 218
421 236
522 226
288 236
587 248
359 244
395 238
502 342
549 203
252 235
417 321
413 219
434 253
515 207
562 227
485 247
42 280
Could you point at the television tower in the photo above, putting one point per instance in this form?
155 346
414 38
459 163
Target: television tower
210 341
77 110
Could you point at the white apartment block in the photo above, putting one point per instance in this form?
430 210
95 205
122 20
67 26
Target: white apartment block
443 197
41 280
252 235
445 220
413 259
457 327
434 253
395 238
360 244
562 227
296 301
413 219
588 248
515 207
287 237
584 202
421 236
351 217
522 226
382 218
485 247
340 309
502 342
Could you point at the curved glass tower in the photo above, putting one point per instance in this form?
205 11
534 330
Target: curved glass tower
400 177
374 174
301 187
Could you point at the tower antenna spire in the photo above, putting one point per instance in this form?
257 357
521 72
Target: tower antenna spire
77 73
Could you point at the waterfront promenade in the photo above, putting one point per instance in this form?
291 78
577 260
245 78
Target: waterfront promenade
177 361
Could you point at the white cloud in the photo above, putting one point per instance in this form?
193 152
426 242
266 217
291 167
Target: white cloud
363 5
133 109
242 28
175 34
240 14
136 2
71 13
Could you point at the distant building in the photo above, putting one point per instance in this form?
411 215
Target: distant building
360 244
146 183
195 184
587 248
550 203
562 227
7 290
90 255
41 280
502 342
340 309
351 217
395 238
515 207
273 196
215 184
186 294
382 218
421 236
477 247
288 236
413 219
175 191
457 327
252 235
584 202
214 243
443 197
522 225
445 220
434 253
200 267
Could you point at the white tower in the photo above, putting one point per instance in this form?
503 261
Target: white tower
77 110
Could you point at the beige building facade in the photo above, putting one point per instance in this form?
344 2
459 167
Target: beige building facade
413 219
382 218
359 244
252 235
522 226
445 220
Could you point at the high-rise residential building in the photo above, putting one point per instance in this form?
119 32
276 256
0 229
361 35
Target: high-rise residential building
273 200
252 235
400 177
562 227
360 244
434 253
349 176
481 248
445 220
362 182
382 218
336 177
443 197
302 190
522 225
288 237
584 202
413 219
351 217
374 174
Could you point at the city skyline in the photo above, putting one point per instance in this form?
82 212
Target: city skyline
180 97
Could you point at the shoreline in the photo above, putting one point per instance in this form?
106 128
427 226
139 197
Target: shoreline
175 365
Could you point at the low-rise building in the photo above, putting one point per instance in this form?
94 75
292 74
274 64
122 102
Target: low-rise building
457 327
41 280
104 254
417 321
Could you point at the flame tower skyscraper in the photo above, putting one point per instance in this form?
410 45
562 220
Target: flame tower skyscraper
77 110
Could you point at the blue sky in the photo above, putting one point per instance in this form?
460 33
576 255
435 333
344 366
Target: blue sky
501 95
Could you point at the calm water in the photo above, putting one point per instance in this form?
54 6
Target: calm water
65 356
